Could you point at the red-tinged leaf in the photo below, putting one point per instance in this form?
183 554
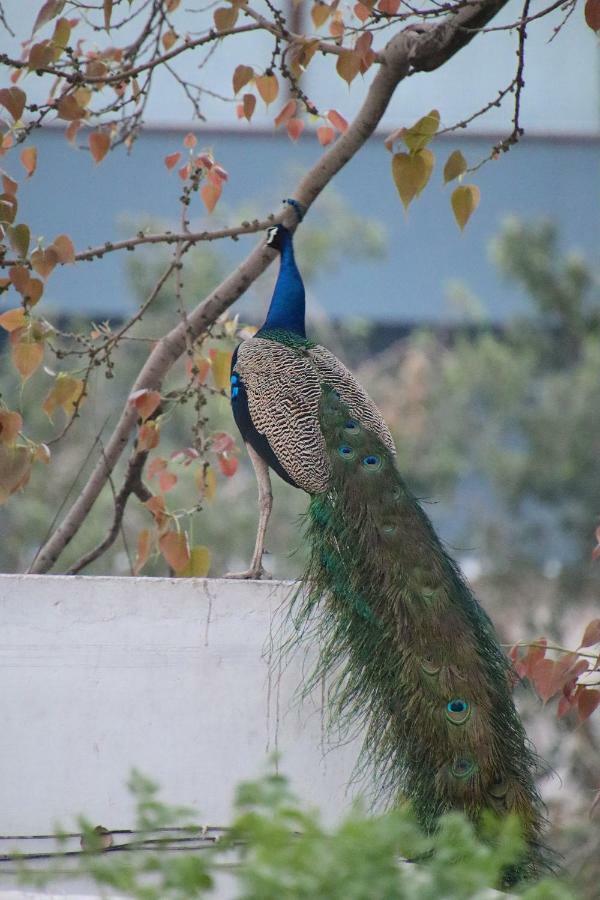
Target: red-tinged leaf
225 17
175 548
148 436
210 193
166 481
108 8
268 87
42 454
325 134
591 635
288 112
587 701
205 161
217 174
156 505
156 465
144 546
362 12
6 143
64 249
11 424
388 7
19 277
41 55
10 186
69 109
202 367
319 14
242 76
190 140
337 120
33 291
44 261
221 442
13 319
221 368
184 172
592 14
172 159
199 564
27 357
336 26
348 65
15 468
513 654
248 105
28 159
49 11
99 142
542 675
72 129
228 465
145 401
13 99
294 128
564 706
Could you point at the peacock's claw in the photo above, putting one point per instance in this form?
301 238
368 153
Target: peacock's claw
254 573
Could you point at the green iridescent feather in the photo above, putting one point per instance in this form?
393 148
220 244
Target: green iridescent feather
416 661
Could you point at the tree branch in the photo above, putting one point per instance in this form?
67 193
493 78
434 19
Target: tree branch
405 52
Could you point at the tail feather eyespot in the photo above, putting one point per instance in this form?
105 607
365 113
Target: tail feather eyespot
458 711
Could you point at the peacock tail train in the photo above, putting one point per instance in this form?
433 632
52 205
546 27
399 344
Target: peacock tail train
417 662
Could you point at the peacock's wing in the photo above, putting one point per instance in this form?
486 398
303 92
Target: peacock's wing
283 387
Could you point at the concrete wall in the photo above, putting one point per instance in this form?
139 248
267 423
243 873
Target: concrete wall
178 678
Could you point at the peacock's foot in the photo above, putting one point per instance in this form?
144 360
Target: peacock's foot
255 573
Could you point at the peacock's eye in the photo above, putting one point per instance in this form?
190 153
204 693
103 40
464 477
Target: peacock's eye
389 528
372 462
346 452
351 426
458 711
462 767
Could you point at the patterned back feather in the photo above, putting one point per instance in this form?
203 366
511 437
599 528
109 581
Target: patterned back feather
416 660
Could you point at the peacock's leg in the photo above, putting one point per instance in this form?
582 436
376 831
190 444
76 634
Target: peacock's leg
265 504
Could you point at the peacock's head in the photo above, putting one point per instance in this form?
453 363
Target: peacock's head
276 237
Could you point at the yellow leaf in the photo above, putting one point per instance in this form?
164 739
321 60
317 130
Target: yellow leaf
27 356
465 200
15 468
198 565
411 172
419 135
225 17
348 65
242 76
66 392
456 165
206 482
221 368
175 549
268 87
319 14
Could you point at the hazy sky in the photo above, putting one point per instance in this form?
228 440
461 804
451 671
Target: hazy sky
562 77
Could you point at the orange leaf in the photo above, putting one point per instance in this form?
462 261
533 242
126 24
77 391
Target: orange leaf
242 76
337 120
15 468
10 426
9 185
64 249
13 99
175 548
20 279
145 401
225 17
268 87
228 464
172 159
144 545
190 140
13 319
319 14
156 505
28 159
166 481
69 109
44 261
148 436
325 135
591 634
72 129
362 12
336 26
542 675
248 105
587 701
99 142
288 111
389 7
210 193
169 38
294 128
108 7
33 291
348 65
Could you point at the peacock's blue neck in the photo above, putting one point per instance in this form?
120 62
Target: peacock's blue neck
286 312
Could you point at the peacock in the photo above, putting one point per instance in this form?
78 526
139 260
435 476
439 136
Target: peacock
415 659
